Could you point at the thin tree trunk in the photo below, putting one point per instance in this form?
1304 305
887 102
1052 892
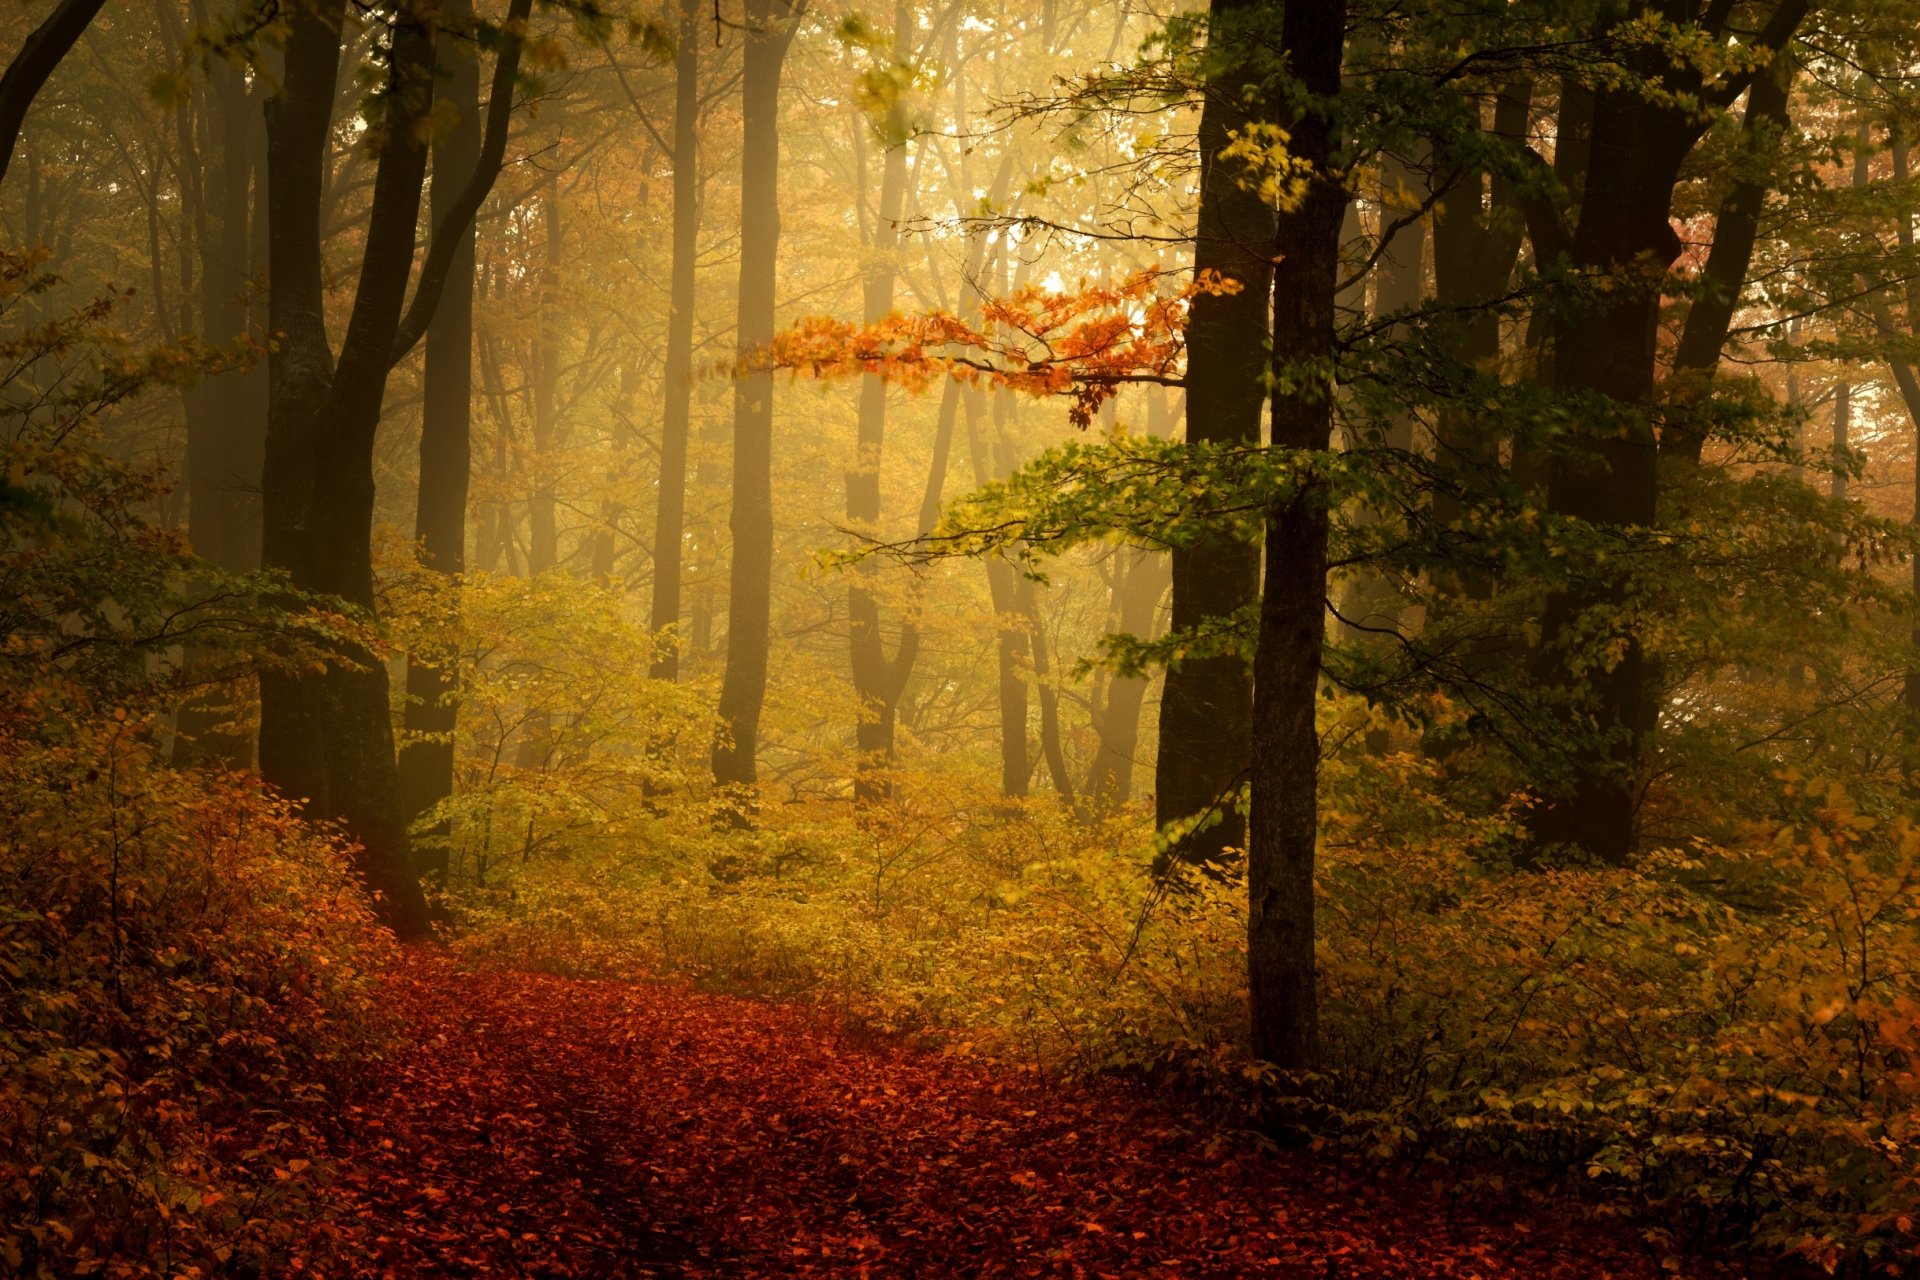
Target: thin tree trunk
677 411
743 687
543 544
446 443
1140 579
1015 769
878 680
1282 987
1027 604
1370 602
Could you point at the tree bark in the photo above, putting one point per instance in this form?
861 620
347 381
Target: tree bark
328 738
743 687
27 74
1736 226
1606 473
878 679
1140 579
1370 602
226 413
446 441
1477 233
299 371
1206 705
1282 987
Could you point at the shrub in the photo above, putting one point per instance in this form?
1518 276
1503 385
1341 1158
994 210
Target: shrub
186 978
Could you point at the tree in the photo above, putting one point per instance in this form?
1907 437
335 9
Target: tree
27 74
1604 473
750 584
879 679
1284 825
670 514
328 739
446 426
1206 704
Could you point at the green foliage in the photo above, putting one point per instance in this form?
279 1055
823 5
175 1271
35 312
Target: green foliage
1723 1036
562 735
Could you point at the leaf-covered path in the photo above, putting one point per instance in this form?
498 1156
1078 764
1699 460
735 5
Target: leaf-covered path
539 1126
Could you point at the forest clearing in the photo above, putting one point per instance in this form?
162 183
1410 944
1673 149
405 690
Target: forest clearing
959 637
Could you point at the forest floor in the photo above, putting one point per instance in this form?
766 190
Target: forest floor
538 1126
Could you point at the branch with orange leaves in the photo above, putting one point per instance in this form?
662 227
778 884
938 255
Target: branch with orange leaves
1084 344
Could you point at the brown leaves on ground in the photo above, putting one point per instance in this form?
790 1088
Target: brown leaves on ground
541 1126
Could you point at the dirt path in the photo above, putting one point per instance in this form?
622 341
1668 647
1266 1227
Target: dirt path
539 1126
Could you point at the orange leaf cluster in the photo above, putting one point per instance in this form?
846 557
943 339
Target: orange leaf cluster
1082 343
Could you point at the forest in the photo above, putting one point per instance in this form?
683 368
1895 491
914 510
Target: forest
726 638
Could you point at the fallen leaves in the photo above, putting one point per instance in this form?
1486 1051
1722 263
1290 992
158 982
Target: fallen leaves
540 1126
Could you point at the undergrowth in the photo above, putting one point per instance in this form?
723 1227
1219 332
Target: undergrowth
1724 1038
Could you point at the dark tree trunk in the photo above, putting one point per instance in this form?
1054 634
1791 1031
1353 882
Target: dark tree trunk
299 371
1608 477
1205 707
743 688
328 738
1606 472
1281 986
677 412
226 414
27 74
446 442
1736 227
1477 232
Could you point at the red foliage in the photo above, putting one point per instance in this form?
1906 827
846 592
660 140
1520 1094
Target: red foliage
542 1126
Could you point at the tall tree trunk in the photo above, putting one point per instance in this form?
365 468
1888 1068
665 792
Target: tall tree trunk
676 418
226 414
1736 226
299 370
328 738
1009 641
1282 988
1908 383
1606 473
743 688
1052 751
1206 704
543 530
1477 233
446 442
1842 440
878 680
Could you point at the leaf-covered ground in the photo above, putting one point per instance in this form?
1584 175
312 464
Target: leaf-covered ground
540 1126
